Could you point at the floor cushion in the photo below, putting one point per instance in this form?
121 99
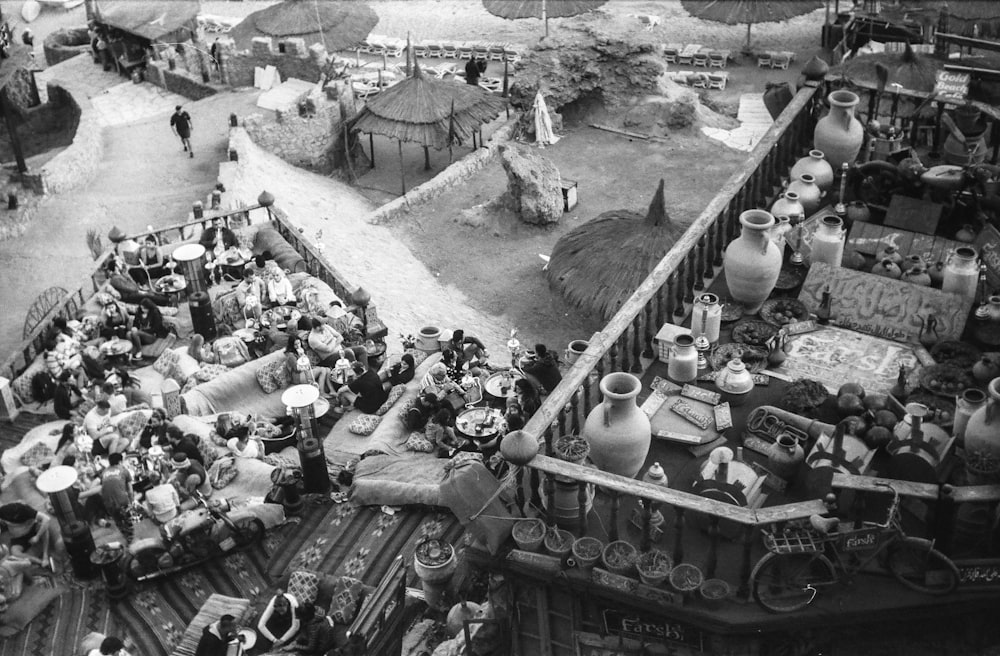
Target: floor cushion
214 607
32 601
364 424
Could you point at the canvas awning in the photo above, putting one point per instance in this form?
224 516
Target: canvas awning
151 19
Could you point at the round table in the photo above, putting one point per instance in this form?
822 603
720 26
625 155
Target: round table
494 381
116 349
171 286
248 335
280 316
467 421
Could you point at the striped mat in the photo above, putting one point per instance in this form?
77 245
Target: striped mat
63 623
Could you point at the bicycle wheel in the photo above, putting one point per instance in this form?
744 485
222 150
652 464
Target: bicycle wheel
783 583
919 566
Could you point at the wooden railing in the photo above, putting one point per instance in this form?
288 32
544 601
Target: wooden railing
666 295
70 306
379 623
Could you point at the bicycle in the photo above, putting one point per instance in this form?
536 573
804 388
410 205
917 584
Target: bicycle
801 560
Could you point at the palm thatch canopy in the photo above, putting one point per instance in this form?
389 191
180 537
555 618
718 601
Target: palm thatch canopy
338 25
737 12
598 265
426 110
516 9
907 69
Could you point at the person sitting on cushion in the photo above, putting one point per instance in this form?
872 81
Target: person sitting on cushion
97 423
526 396
33 534
242 445
218 239
365 392
129 288
250 294
401 372
215 637
67 398
543 369
436 382
325 342
150 262
467 348
12 569
110 646
115 321
180 442
279 288
279 622
316 636
149 323
155 430
190 479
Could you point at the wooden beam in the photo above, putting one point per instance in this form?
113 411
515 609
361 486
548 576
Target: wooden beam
788 512
7 112
969 42
977 494
925 491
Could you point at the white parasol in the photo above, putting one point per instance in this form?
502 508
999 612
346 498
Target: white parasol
544 135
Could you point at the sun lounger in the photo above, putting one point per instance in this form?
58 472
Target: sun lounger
496 52
481 51
493 84
670 54
780 60
698 80
394 47
434 50
449 51
718 80
700 59
513 55
465 52
764 60
420 49
716 59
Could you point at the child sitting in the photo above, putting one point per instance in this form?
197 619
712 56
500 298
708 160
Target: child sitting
441 433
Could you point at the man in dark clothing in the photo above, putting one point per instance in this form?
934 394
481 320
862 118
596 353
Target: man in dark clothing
215 637
180 123
543 369
181 443
116 488
474 69
365 391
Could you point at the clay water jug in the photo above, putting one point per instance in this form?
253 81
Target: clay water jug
785 456
982 439
810 195
839 134
917 275
752 262
788 205
887 269
617 430
815 69
857 211
815 165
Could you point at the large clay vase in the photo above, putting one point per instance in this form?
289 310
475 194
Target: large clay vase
839 134
777 96
752 261
617 430
982 440
809 193
815 165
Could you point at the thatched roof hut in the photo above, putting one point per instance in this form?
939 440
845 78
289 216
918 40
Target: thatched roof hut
907 69
598 265
337 25
543 9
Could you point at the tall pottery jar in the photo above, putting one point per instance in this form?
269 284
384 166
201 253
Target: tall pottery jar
815 165
752 261
617 430
982 440
839 134
808 193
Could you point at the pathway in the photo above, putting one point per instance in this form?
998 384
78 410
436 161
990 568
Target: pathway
754 120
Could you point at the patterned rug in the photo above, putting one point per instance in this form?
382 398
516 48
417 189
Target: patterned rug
65 621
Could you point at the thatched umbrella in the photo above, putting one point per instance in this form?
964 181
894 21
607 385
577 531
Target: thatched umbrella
337 25
430 112
598 265
543 9
907 69
736 12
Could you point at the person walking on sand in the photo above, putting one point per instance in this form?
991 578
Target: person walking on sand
180 123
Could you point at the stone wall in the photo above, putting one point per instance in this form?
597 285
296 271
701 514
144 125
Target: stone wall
66 43
296 61
21 91
178 81
455 174
303 141
76 164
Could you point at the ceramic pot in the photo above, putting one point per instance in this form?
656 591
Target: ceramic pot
810 195
982 438
778 353
986 369
936 272
814 165
968 402
752 262
890 253
735 382
776 98
857 211
434 562
839 134
917 275
828 241
427 339
973 151
994 309
683 365
966 234
617 430
459 613
586 552
887 269
785 456
575 349
788 205
815 68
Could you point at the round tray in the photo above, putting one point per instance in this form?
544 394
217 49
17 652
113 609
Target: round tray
753 357
781 311
754 332
945 380
789 279
731 311
955 353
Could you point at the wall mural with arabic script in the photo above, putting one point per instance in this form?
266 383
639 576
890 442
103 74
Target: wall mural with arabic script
883 307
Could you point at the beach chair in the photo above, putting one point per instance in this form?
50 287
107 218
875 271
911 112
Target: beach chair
464 52
496 53
698 80
700 59
670 54
716 59
685 58
513 55
780 60
764 60
420 50
434 50
449 51
481 52
718 80
394 48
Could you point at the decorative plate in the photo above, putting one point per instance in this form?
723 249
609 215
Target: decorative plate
945 379
731 311
753 357
955 353
753 332
942 409
781 311
789 279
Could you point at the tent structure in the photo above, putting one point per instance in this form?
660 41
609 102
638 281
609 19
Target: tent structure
736 12
543 9
338 25
155 20
430 112
599 265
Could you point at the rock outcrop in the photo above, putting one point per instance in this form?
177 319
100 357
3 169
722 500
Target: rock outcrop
534 188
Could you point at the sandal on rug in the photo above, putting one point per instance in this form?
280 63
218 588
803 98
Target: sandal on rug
338 497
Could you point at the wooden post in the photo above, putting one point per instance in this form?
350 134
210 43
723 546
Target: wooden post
678 534
371 147
427 158
743 592
402 173
636 344
581 498
15 140
519 497
712 559
936 148
647 529
647 335
944 519
550 481
613 528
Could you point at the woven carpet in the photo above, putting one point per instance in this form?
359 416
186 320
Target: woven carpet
59 628
332 538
